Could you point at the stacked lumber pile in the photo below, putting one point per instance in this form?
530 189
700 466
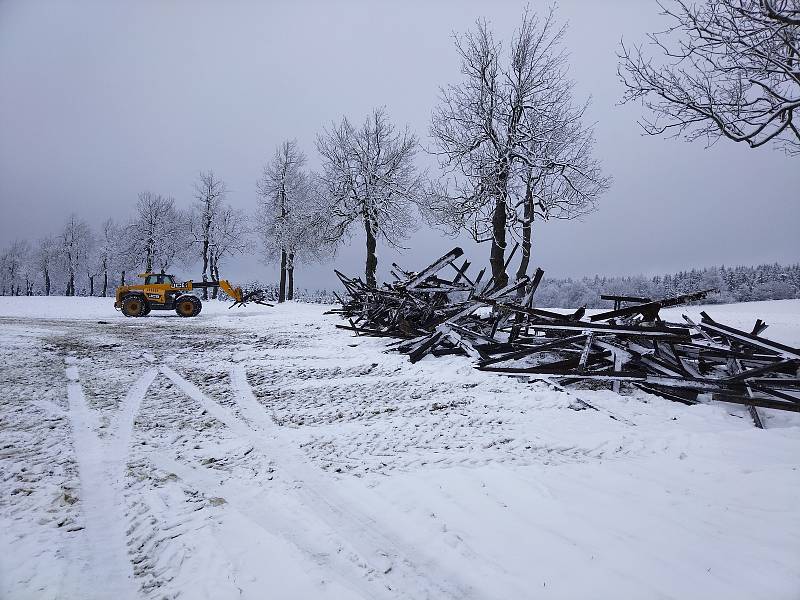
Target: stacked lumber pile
442 310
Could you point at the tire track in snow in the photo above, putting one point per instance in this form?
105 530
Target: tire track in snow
285 521
385 552
101 470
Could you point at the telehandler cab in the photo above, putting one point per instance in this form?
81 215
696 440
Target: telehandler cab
162 292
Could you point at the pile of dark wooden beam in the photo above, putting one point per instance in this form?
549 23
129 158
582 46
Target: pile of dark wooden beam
442 310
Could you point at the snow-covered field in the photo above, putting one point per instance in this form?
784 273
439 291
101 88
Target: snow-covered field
262 453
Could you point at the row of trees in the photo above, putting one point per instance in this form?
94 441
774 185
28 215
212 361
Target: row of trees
511 139
77 260
509 136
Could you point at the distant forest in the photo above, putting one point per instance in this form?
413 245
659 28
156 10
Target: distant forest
735 284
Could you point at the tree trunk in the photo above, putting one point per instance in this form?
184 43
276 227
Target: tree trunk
497 256
71 285
215 277
91 285
282 285
527 224
105 283
205 264
290 277
46 282
372 259
122 278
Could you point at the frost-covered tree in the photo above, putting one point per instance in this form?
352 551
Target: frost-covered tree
15 277
158 235
510 139
282 191
45 260
230 235
91 268
369 178
109 254
75 242
568 180
289 221
209 194
721 69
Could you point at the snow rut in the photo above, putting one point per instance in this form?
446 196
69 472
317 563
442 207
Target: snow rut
382 552
101 468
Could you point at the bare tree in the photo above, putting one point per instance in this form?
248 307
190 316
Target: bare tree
725 69
288 220
229 236
92 267
13 262
209 195
502 127
75 243
369 177
282 189
108 252
567 181
44 260
158 236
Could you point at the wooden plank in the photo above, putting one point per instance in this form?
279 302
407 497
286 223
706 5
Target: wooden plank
434 267
624 298
746 338
656 331
650 308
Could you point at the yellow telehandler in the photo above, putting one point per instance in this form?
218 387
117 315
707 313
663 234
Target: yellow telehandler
162 292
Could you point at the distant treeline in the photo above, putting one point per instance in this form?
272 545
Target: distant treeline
735 284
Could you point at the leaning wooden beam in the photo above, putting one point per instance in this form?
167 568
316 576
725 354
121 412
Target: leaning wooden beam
775 366
422 349
435 267
462 273
651 308
776 393
759 402
746 338
615 298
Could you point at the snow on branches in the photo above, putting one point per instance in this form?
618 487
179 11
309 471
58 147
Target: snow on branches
289 222
511 140
369 177
724 69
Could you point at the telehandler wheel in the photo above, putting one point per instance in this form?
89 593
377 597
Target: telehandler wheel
147 309
188 306
134 306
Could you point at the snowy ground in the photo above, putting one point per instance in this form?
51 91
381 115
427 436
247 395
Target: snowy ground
263 453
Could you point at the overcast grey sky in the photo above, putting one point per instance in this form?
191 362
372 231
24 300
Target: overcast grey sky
101 100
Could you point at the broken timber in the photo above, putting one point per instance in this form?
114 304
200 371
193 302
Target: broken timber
442 310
